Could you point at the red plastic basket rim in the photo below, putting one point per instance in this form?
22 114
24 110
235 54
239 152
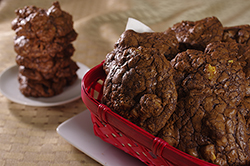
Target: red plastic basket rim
134 132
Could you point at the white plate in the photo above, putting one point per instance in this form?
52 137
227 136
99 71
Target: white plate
9 87
78 131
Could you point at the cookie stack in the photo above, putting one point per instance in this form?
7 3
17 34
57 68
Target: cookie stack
43 44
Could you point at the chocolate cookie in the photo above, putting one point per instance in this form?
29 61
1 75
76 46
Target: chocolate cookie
37 48
208 123
49 67
239 34
45 25
43 46
164 42
41 88
206 127
140 87
198 34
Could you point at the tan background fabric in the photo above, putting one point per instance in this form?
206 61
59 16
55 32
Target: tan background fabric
28 134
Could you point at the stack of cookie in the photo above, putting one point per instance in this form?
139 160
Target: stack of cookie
43 44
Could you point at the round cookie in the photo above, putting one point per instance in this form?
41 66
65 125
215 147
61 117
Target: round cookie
33 22
140 87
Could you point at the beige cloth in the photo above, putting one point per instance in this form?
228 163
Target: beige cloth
27 134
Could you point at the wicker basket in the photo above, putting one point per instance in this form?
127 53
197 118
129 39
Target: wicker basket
118 131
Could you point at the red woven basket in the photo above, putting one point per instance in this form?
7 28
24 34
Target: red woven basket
118 131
